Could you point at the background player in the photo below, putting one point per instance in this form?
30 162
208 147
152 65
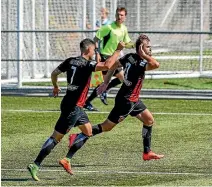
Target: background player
109 36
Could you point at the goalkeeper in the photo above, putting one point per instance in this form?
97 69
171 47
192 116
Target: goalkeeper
109 37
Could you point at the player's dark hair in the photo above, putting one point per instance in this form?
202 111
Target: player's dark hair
140 40
85 43
121 9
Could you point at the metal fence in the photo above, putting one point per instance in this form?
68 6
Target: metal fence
37 35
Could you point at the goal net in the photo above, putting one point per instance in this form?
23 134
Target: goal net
39 52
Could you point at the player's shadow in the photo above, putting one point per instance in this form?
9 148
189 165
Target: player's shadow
22 179
75 165
15 180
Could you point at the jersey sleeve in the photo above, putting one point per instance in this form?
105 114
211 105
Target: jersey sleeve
63 67
126 37
92 65
102 32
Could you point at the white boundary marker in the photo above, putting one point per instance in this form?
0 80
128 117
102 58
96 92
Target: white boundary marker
119 172
96 112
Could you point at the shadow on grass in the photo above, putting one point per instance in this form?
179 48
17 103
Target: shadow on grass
208 83
177 84
22 179
75 165
15 180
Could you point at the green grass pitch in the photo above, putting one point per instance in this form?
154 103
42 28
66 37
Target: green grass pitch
182 132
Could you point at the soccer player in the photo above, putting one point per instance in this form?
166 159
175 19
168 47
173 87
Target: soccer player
78 71
127 100
109 37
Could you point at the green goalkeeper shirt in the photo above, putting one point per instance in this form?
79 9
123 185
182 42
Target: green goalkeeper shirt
110 35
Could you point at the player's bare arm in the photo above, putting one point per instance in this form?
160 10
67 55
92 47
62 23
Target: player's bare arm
96 41
54 78
108 64
108 77
97 55
130 45
145 53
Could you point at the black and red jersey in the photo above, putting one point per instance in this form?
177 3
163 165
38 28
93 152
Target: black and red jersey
134 74
79 72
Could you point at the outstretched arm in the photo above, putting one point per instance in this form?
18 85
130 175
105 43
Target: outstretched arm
107 78
130 45
109 63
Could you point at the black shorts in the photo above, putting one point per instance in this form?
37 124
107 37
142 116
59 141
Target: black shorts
123 108
75 117
103 59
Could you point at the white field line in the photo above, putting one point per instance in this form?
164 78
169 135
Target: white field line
119 172
96 112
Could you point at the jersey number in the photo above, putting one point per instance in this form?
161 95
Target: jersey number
128 65
74 71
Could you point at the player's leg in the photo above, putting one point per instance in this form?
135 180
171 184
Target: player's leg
147 119
79 139
88 104
93 95
119 74
78 142
60 130
47 147
107 125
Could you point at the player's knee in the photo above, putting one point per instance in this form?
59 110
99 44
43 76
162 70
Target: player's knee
57 137
149 122
89 134
106 129
107 125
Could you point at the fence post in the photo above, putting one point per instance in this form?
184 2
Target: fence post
46 18
33 39
8 73
84 15
201 38
19 41
138 14
103 4
94 17
114 7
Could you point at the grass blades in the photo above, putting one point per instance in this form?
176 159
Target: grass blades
182 132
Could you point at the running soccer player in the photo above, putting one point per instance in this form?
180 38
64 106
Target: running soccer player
109 36
78 71
127 100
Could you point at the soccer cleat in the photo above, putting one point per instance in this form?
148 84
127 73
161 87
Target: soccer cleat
151 155
33 169
66 166
72 137
103 98
89 107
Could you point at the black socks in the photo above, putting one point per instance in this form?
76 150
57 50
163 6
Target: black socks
45 150
146 134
